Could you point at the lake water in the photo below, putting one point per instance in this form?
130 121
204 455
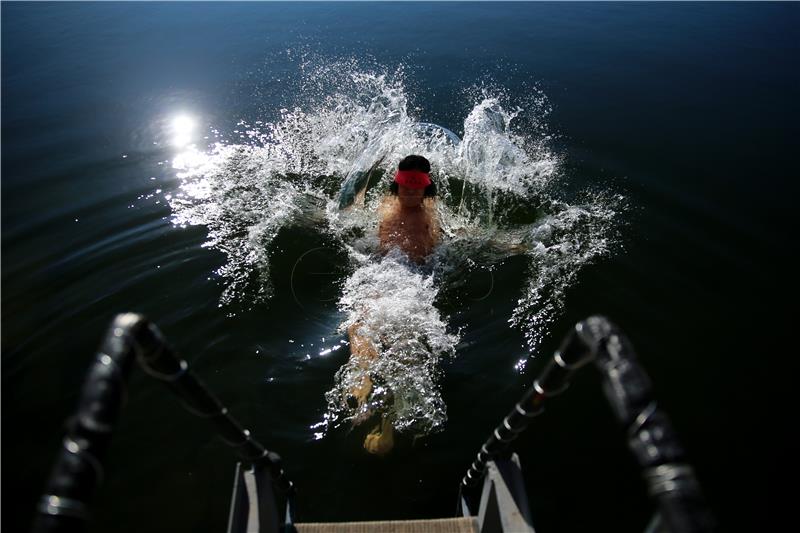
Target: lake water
179 160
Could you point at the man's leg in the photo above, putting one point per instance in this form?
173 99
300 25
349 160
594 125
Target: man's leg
380 439
363 352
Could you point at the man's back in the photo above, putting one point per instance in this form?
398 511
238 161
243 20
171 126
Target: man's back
414 231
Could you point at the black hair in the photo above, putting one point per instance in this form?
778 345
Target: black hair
415 162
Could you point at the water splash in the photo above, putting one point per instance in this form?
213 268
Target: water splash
391 302
350 125
559 245
243 199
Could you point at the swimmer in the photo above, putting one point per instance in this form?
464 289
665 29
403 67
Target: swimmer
408 218
408 222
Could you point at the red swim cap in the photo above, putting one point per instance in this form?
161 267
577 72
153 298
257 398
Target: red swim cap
413 179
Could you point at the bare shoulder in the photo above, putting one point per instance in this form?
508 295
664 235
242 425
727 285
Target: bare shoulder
387 206
432 215
387 225
387 212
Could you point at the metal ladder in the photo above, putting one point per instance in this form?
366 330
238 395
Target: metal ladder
492 495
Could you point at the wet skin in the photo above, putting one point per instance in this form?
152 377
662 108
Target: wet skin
407 223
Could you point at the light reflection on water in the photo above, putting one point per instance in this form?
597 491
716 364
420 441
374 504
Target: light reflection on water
182 130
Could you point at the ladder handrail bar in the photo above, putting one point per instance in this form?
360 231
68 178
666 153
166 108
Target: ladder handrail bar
670 479
78 469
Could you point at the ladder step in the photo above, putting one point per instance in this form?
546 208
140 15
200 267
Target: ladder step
439 525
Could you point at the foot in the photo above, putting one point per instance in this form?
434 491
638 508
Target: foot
380 440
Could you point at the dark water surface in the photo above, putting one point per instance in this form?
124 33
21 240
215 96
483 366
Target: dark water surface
689 110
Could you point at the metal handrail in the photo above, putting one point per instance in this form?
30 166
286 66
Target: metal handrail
670 479
79 467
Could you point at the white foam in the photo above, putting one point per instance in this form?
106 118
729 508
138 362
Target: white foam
391 302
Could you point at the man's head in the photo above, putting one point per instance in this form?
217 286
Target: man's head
412 181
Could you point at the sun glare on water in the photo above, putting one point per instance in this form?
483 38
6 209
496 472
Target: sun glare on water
182 129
